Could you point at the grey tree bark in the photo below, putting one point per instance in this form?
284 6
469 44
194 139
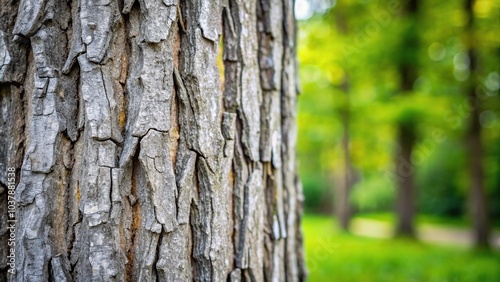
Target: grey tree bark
135 159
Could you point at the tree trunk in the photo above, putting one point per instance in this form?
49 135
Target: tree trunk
477 194
135 160
343 208
405 201
405 206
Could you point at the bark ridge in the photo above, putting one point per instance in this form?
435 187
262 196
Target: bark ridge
153 140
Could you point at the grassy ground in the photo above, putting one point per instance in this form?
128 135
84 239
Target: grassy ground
423 219
333 256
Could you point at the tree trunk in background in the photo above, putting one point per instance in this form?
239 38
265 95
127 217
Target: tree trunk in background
405 202
133 163
343 209
343 205
405 205
474 145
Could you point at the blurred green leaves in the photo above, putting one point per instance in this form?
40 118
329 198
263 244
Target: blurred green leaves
349 57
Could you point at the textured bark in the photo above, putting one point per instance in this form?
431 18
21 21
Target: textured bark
136 160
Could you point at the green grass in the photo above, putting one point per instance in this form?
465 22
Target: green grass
335 256
424 219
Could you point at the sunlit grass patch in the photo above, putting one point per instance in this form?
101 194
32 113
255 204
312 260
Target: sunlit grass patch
335 256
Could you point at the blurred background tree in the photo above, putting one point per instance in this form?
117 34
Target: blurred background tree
400 111
399 134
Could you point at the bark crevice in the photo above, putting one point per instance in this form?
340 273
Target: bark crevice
136 161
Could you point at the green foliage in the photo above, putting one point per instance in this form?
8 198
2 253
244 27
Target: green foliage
441 182
335 256
315 194
374 193
350 62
